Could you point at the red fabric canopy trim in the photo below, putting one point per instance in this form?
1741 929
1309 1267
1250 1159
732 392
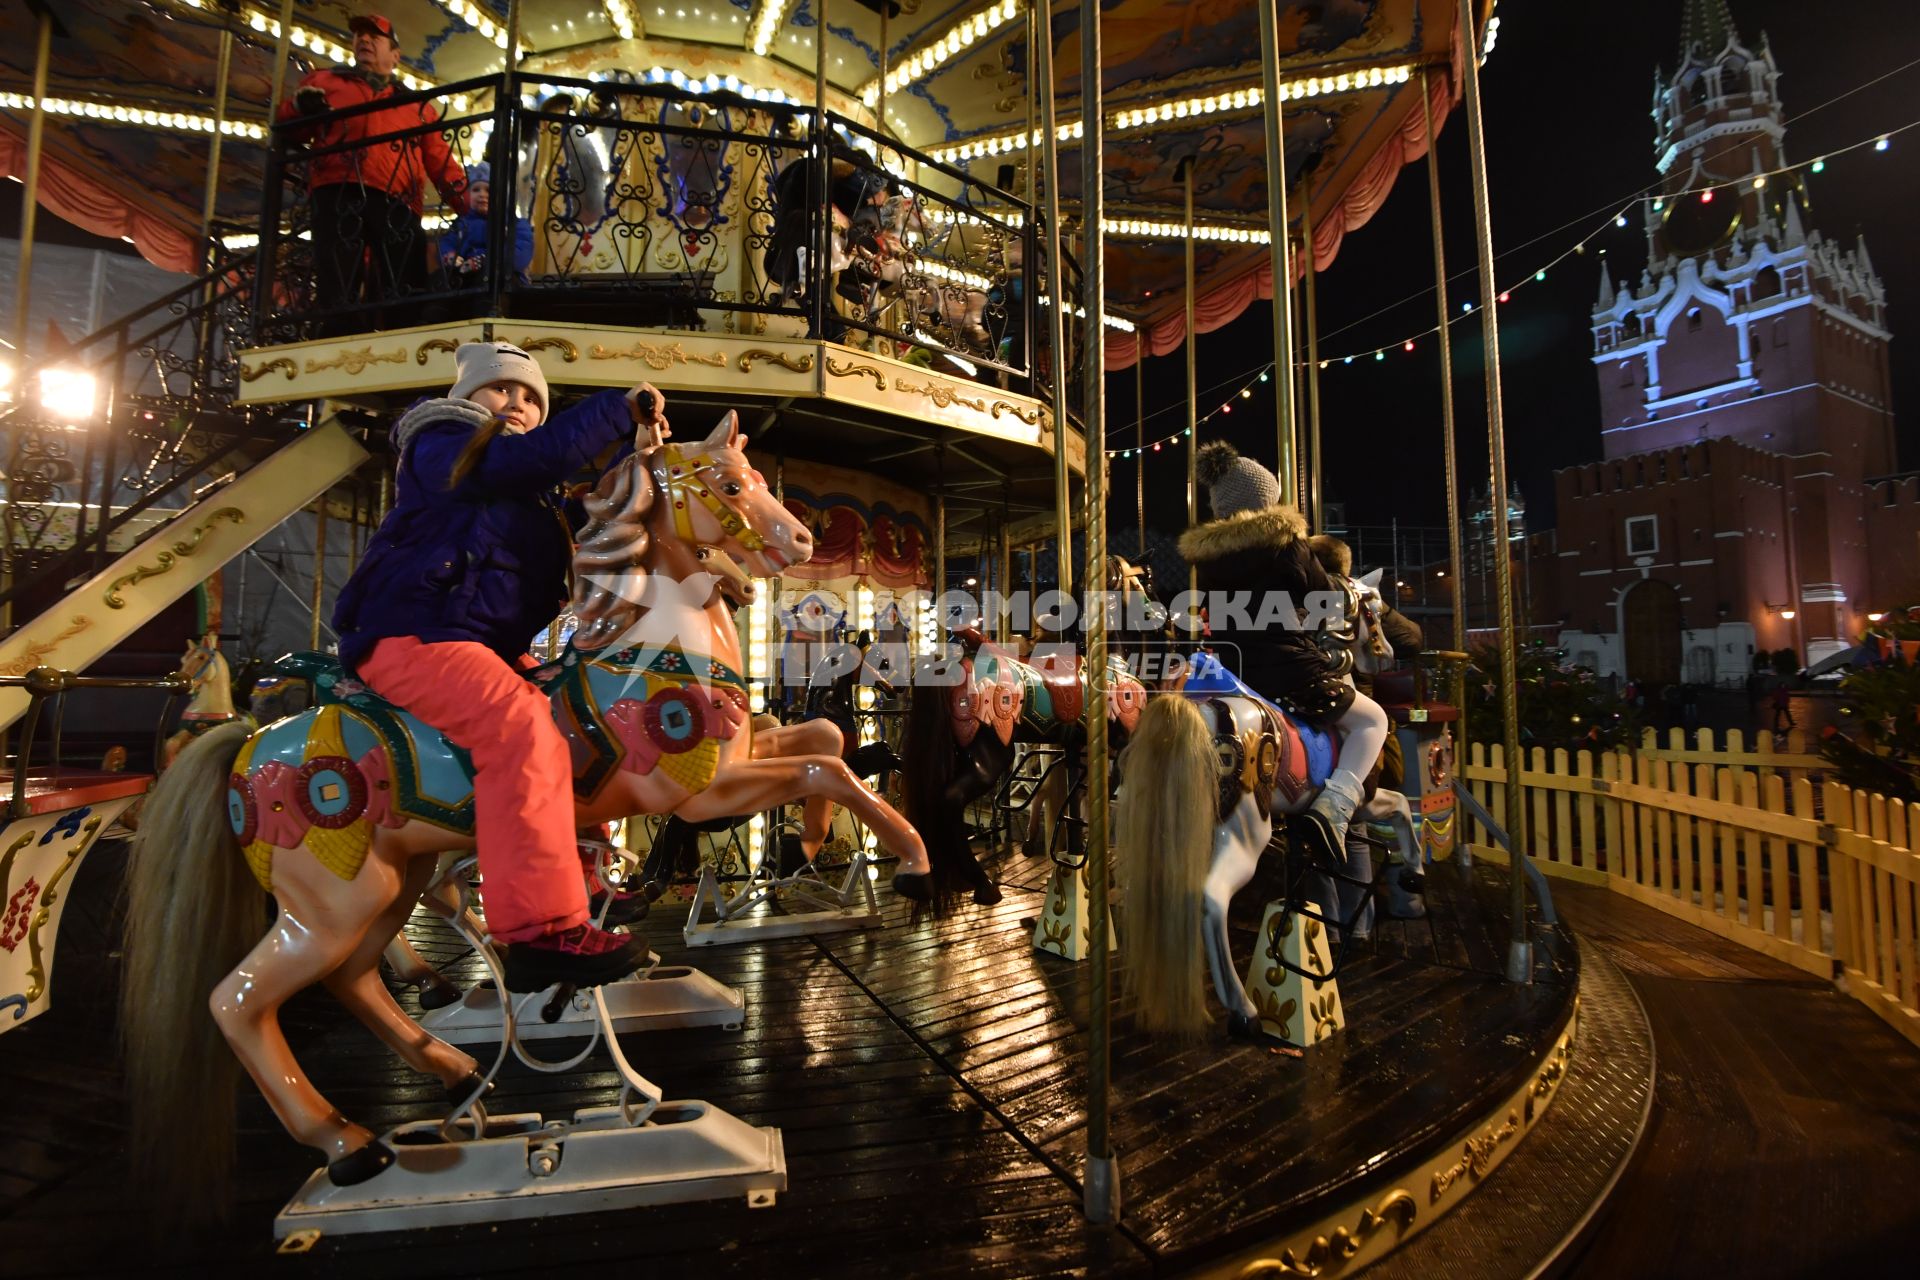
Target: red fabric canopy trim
87 204
1359 202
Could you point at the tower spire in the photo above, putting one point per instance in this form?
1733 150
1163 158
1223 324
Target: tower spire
1606 287
1706 26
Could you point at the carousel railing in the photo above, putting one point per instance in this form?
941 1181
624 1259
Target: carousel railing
50 685
646 205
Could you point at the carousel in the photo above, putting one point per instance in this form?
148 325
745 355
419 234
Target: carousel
977 941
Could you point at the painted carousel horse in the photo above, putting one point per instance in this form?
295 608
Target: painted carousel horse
963 724
1203 777
342 812
211 704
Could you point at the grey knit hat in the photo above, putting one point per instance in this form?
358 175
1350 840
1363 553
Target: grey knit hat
1234 484
480 364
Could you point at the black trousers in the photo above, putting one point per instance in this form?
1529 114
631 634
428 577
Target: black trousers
368 249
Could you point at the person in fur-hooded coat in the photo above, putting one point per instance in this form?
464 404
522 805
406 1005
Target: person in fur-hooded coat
1256 544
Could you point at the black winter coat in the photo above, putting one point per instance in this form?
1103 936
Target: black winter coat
1261 551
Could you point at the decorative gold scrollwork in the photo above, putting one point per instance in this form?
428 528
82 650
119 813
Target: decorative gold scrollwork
431 345
568 352
1029 416
283 365
355 362
853 369
657 358
185 547
1476 1157
800 364
1397 1208
36 965
30 659
942 395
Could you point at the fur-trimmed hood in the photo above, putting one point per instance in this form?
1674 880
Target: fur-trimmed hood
441 410
1271 529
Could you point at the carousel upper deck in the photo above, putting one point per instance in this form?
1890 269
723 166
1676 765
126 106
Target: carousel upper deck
860 303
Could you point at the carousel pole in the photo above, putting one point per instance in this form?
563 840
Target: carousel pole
222 67
1457 692
280 46
1140 434
1282 269
820 260
1193 382
1102 1170
880 107
1519 949
30 190
1316 511
1057 286
1005 576
319 572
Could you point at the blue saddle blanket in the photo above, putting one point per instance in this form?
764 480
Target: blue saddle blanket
1207 677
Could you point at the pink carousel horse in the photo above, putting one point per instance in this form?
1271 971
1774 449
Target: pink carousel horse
342 812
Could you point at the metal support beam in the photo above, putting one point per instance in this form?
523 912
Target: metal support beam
1193 375
1520 950
222 66
30 194
280 47
1280 225
1316 510
319 570
1140 434
1102 1179
1051 244
1454 565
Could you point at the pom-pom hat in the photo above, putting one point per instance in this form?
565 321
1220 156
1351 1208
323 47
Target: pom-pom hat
1234 484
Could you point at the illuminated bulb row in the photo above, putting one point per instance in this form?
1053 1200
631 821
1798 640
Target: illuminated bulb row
713 84
1186 109
1017 141
962 36
941 213
1251 96
1154 229
758 670
1120 323
956 275
318 42
620 14
766 24
179 121
482 21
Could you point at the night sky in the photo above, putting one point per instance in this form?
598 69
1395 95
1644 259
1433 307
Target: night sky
1568 90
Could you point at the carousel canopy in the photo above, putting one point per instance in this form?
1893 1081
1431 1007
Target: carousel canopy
132 92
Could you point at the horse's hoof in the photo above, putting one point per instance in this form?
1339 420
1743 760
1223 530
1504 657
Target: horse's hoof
438 994
460 1090
1241 1027
913 887
987 894
369 1161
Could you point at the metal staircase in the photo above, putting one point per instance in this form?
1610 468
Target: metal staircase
127 421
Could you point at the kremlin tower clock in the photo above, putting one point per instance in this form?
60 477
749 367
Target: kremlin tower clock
1746 425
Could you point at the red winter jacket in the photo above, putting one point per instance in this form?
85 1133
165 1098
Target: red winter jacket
395 166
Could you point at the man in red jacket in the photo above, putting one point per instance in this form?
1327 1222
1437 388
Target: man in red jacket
367 199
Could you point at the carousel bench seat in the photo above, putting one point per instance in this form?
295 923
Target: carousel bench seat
49 791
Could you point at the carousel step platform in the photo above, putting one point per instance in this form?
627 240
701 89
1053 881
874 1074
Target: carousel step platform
928 1081
50 790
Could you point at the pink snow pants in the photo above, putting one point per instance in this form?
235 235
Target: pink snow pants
522 781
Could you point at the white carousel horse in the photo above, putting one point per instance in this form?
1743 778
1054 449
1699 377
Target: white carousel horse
1202 778
336 813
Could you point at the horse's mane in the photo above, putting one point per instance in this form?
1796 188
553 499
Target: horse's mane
609 563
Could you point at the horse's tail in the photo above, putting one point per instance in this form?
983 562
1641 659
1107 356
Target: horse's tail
1166 824
193 909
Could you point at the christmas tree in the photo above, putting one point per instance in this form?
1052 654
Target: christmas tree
1560 706
1878 746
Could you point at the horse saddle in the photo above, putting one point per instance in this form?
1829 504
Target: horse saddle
1282 754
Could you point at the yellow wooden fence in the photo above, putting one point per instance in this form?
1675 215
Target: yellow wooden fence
1750 843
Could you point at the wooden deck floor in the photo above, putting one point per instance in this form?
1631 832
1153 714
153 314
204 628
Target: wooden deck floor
929 1080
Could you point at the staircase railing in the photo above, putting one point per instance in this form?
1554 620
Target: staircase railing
119 421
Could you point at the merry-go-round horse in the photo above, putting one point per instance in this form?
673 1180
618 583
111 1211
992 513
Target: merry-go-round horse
1202 778
961 734
342 812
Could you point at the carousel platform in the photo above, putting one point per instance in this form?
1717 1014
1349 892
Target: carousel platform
929 1082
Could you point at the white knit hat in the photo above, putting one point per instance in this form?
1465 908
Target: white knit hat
481 364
